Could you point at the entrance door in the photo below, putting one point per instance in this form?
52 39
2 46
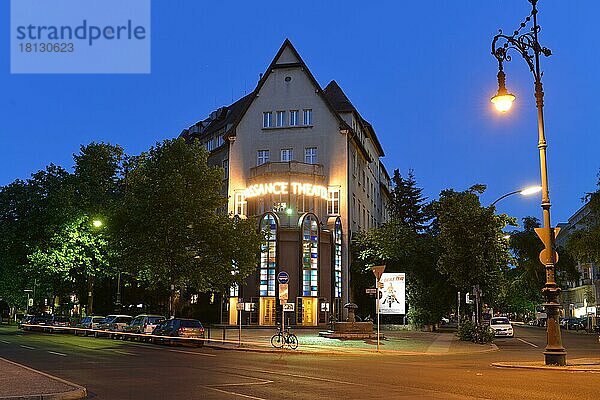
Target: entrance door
309 311
267 311
233 313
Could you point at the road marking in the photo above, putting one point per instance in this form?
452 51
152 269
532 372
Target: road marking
262 382
301 376
27 347
5 341
57 353
193 352
124 352
526 342
234 393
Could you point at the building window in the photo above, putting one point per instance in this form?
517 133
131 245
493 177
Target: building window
354 165
333 201
268 256
353 208
307 114
280 118
234 290
337 259
220 141
240 204
310 155
287 155
225 165
293 117
262 156
310 256
210 145
267 119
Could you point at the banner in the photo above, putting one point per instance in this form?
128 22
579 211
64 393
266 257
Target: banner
393 293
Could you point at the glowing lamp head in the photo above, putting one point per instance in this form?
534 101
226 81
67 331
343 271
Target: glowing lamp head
97 223
531 190
502 100
289 211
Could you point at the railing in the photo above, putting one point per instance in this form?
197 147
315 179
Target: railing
291 167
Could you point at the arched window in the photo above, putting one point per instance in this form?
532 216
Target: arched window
337 258
310 255
268 255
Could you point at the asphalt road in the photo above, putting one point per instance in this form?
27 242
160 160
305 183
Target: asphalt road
112 369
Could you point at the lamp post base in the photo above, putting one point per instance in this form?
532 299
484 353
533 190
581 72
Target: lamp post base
555 357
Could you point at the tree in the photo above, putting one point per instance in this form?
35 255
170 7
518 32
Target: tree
167 227
473 248
407 202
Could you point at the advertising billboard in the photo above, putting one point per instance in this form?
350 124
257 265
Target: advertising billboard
393 293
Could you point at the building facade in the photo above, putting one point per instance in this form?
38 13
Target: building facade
303 161
579 298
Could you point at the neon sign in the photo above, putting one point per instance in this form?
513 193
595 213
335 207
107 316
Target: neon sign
277 188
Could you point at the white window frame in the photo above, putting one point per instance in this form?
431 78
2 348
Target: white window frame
286 155
262 157
280 118
294 114
333 201
267 119
241 205
307 116
310 155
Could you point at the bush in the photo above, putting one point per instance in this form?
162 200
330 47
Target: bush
468 332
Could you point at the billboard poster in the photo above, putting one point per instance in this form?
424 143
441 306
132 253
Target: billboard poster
393 293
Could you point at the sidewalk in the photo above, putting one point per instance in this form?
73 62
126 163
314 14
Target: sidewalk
20 382
392 342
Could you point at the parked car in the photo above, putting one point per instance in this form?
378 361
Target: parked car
572 323
111 323
25 321
143 324
501 327
174 330
59 323
118 324
89 322
39 322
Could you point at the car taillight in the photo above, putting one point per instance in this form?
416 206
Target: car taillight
201 330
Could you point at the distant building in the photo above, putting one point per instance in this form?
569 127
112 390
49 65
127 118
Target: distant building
304 161
579 298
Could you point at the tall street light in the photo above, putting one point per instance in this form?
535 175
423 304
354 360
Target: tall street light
528 46
528 191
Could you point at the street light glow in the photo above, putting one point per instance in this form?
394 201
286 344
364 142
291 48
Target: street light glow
503 102
530 190
97 223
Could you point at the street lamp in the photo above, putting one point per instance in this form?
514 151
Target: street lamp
528 46
528 191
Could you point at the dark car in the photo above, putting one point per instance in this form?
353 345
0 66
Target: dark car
26 320
89 322
572 323
59 323
179 330
38 323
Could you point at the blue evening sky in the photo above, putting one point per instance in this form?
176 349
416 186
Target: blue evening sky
420 72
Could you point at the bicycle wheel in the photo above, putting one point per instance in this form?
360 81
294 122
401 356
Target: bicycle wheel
277 340
292 341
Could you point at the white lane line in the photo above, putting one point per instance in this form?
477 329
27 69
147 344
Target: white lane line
526 342
57 353
5 341
301 376
27 347
124 352
193 352
263 382
233 393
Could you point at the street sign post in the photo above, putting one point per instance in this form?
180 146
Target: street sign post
377 271
283 277
240 307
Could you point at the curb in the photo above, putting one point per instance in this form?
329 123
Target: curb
571 368
79 392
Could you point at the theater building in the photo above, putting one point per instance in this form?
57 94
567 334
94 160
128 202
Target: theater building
303 161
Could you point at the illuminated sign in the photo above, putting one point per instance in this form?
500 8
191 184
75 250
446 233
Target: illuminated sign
277 188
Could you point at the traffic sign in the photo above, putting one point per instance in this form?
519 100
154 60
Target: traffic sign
378 270
283 277
288 307
239 306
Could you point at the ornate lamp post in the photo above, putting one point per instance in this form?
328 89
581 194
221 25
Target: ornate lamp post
528 46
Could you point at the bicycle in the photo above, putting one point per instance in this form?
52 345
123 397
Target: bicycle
280 339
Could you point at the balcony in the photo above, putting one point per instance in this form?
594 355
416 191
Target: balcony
286 169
